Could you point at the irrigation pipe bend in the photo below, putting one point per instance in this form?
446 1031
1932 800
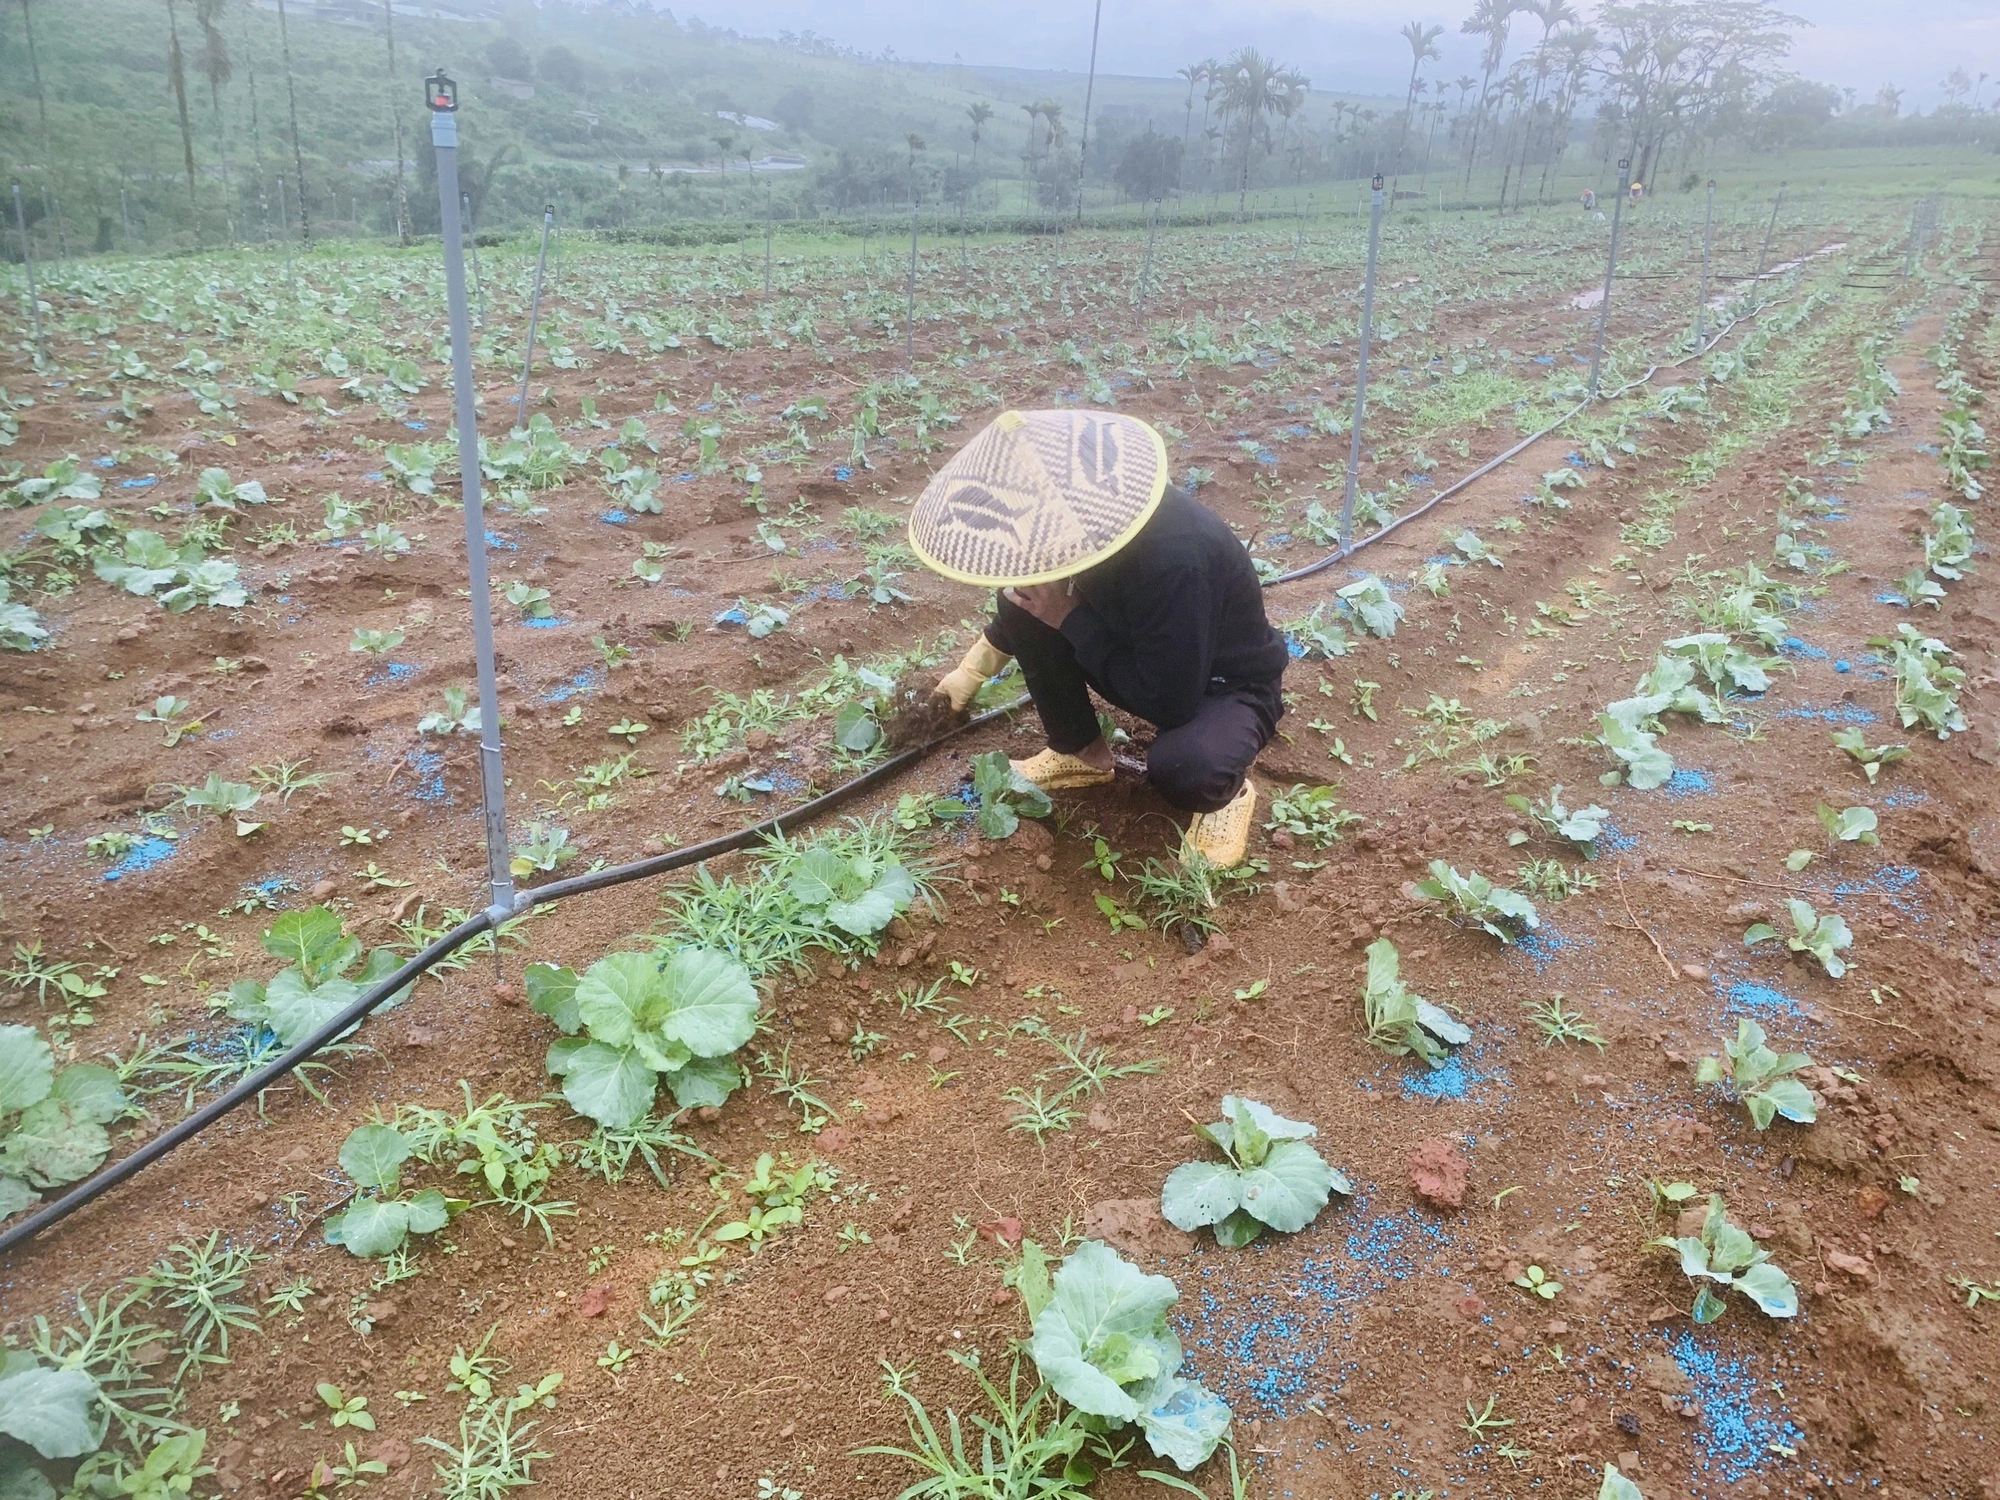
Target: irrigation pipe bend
596 880
1341 555
375 995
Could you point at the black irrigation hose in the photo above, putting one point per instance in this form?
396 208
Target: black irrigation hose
242 1093
661 864
1342 554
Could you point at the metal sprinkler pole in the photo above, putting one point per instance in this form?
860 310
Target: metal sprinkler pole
1764 254
285 234
910 313
1361 372
535 313
767 241
1146 266
1707 243
478 280
28 260
442 96
1610 270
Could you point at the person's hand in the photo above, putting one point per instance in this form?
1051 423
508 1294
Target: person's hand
1048 602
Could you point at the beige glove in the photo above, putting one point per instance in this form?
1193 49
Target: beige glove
962 682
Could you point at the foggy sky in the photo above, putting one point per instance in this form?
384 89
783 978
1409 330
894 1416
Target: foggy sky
1342 44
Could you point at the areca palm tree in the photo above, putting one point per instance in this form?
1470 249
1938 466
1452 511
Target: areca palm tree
1052 116
1490 19
1422 41
292 103
396 118
1256 90
1576 48
217 68
177 81
978 113
1551 13
1194 73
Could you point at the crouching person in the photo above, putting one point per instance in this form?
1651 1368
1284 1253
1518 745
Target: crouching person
1111 580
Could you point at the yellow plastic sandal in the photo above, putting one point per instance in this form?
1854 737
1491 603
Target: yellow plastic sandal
1053 771
1222 837
962 683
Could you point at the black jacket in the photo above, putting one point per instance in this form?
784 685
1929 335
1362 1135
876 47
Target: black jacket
1175 614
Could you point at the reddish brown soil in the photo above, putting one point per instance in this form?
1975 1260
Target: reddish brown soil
1349 1351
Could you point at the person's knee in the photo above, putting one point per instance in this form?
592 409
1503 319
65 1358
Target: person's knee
1186 772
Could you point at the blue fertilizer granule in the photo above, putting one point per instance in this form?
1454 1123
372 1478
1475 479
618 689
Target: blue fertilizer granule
1688 783
428 768
1455 1080
500 543
1895 882
1762 998
1546 944
586 682
1610 837
842 473
546 622
1739 1420
393 672
614 517
734 615
144 855
1268 1341
1837 713
1905 797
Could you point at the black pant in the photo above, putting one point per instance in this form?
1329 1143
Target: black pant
1197 766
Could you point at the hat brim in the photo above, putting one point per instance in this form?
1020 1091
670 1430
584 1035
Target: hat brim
1073 566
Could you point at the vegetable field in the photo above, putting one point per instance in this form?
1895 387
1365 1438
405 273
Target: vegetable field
1588 1086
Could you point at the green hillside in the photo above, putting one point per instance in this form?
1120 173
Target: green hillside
615 115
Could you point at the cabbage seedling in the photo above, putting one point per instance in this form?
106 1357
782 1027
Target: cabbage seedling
1645 764
220 798
1102 1342
1824 937
460 716
379 1221
1476 900
1005 796
1399 1021
1555 821
51 1124
1272 1178
680 1018
375 642
1617 1486
1871 758
215 487
1726 1255
315 987
1368 600
860 893
1851 825
54 1411
1760 1077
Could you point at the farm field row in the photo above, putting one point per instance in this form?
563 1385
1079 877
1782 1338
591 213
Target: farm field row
232 551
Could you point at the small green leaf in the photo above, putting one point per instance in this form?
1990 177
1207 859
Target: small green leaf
1199 1193
373 1155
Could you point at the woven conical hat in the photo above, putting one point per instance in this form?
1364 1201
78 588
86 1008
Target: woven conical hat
1039 495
